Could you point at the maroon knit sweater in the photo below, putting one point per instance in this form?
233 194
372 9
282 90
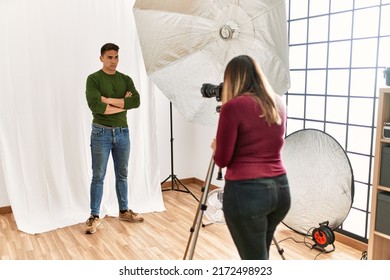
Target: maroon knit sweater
246 144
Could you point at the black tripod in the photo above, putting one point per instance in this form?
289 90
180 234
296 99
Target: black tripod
189 253
175 182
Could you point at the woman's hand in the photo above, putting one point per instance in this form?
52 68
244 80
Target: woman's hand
214 145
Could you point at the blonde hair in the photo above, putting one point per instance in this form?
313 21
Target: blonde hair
244 76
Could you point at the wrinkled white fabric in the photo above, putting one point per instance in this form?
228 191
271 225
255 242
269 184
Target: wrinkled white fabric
49 48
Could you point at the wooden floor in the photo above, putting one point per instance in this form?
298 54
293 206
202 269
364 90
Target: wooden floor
163 236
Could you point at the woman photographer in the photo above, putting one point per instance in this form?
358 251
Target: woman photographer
248 143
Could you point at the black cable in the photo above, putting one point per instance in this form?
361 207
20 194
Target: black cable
309 245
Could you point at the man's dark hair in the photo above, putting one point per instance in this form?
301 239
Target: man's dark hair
108 47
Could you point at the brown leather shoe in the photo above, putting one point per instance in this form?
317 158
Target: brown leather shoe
131 217
92 224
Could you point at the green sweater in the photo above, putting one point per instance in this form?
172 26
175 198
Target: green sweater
110 86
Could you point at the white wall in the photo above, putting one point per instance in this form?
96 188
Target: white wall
191 144
191 147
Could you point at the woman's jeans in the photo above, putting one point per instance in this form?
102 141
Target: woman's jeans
105 140
253 209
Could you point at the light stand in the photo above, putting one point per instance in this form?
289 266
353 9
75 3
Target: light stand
194 231
175 182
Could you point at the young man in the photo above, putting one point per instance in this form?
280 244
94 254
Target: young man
109 95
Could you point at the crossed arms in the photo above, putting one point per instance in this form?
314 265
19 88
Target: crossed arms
115 105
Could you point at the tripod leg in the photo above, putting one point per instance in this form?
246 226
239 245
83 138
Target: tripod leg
189 253
166 179
280 251
186 190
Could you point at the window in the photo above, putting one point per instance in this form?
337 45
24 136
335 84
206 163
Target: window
338 51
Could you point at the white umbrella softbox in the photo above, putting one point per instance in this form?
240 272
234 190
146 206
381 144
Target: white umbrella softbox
186 43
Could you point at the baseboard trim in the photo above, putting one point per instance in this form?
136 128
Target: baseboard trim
351 242
5 210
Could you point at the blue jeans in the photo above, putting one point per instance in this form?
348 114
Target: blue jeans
253 209
104 141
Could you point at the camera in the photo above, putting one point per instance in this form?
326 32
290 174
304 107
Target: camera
210 90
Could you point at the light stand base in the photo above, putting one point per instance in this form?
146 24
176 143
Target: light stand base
175 186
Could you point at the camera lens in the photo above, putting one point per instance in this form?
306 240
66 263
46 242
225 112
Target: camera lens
210 90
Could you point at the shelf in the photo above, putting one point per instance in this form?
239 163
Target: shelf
382 235
380 246
384 140
379 243
383 188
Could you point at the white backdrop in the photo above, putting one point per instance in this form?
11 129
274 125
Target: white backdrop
48 48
